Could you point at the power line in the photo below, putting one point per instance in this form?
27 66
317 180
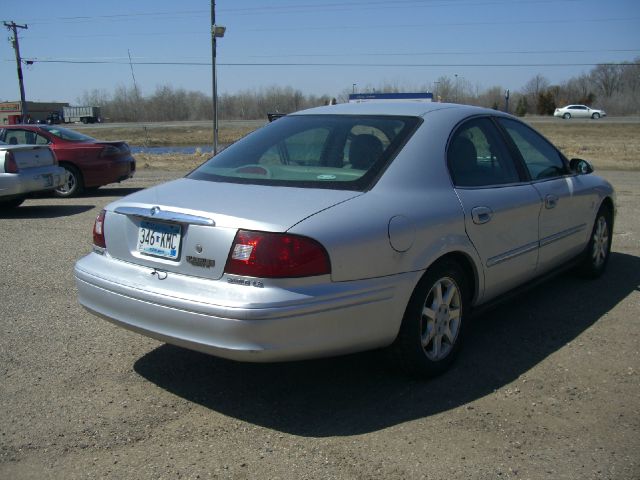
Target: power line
323 28
353 54
330 64
446 53
446 24
299 8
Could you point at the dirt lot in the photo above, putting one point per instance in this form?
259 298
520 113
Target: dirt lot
547 386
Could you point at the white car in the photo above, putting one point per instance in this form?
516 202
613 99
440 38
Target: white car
26 169
579 111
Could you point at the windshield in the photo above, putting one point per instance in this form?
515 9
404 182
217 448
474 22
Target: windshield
315 151
66 134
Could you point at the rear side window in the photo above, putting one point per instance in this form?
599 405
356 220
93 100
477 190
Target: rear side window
477 156
24 137
540 157
315 151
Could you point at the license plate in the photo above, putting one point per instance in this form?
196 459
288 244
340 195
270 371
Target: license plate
159 239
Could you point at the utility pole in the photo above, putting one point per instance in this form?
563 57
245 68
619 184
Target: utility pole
217 31
214 78
456 75
16 46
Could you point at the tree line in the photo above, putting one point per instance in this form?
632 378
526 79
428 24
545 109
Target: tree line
615 88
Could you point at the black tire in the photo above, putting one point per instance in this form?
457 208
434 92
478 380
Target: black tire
74 185
85 120
13 203
432 329
598 251
566 116
595 116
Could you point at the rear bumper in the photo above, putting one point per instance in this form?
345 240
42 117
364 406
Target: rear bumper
31 180
109 171
241 322
123 170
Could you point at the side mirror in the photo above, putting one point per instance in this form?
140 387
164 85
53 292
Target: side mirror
580 166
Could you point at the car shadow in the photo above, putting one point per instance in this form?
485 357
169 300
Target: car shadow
45 211
356 394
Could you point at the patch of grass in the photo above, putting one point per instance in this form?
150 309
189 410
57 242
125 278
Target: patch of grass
172 162
608 146
158 135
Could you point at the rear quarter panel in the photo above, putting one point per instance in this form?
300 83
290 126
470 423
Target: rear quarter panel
95 170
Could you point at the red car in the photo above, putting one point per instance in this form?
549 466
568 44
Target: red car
89 163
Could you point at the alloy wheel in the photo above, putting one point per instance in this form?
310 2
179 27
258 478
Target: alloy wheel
600 242
441 316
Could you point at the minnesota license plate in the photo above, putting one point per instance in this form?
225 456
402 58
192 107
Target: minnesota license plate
159 239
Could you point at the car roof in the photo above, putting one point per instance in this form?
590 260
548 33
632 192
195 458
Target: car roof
414 109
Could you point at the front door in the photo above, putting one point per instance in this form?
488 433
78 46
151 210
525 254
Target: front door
565 198
501 209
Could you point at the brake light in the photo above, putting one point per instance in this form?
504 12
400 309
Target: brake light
10 165
276 255
98 231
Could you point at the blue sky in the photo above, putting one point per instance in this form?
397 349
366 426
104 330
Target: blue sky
405 42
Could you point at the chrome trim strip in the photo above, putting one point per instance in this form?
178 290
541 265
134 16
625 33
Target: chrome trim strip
560 235
511 254
156 213
533 245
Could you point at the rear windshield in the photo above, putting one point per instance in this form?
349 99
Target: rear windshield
66 134
314 151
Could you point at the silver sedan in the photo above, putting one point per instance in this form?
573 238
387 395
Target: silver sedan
346 228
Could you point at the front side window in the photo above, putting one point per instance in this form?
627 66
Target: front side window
540 157
317 151
478 157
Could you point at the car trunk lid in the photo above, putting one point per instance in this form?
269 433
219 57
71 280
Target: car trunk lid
32 156
195 222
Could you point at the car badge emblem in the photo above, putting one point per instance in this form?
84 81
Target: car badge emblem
155 210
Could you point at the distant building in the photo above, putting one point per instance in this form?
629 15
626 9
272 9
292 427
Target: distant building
10 112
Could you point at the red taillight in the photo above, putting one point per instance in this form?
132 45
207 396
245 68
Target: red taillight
98 231
276 255
10 165
110 151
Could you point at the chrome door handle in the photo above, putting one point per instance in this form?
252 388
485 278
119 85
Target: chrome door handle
481 215
550 201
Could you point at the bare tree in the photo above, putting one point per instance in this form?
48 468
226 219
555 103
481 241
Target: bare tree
533 88
607 79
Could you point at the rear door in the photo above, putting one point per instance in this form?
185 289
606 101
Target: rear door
501 209
565 197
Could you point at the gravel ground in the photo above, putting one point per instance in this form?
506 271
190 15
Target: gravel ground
547 386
